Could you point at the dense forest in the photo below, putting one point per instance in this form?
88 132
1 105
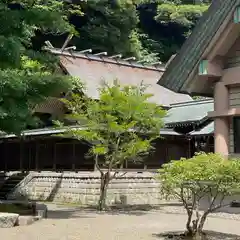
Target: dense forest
150 30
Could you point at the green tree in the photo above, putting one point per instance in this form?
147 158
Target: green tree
111 26
121 125
150 30
28 77
180 13
205 176
167 24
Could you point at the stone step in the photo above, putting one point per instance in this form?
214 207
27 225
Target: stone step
8 220
7 184
26 220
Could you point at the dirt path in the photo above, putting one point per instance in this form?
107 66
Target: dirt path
74 224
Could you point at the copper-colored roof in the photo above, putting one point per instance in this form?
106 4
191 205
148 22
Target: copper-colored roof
94 70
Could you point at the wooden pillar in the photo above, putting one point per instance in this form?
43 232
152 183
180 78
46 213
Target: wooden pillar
207 143
74 157
189 138
21 153
221 124
29 154
36 156
166 149
55 156
5 154
189 149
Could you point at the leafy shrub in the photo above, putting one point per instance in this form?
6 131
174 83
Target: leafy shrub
204 175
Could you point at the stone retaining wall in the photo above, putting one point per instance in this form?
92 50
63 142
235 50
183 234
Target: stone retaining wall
83 188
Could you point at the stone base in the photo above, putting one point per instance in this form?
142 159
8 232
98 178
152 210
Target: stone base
8 220
82 188
41 210
26 220
37 212
235 204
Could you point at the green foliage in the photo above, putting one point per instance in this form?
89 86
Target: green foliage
116 122
203 168
27 76
150 30
121 126
183 14
205 176
112 26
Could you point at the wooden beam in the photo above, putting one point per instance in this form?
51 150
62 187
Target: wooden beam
5 154
21 153
225 113
202 69
210 68
54 156
74 157
236 15
36 155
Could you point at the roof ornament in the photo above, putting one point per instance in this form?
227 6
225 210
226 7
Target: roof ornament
129 59
48 44
116 56
86 51
156 64
142 61
69 37
70 48
101 54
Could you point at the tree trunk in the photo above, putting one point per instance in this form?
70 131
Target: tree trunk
196 229
103 191
188 225
202 222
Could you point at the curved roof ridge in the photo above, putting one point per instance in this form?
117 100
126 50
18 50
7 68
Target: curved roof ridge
183 104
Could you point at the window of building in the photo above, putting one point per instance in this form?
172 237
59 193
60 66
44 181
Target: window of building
236 131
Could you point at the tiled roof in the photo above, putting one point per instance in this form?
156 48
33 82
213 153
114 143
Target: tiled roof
170 132
191 52
94 70
52 131
208 129
190 112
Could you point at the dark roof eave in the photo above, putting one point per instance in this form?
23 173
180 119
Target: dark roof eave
194 123
202 135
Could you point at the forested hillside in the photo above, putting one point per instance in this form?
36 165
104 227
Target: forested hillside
150 30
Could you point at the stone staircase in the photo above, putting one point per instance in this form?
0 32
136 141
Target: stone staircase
8 183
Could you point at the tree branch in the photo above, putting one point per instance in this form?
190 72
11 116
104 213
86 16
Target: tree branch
123 174
97 165
110 166
220 204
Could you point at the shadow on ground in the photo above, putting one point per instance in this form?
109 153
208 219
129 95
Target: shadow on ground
65 211
210 235
67 214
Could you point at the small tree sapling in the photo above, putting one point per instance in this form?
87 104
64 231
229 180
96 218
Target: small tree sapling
205 176
121 126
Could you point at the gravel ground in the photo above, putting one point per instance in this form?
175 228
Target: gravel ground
71 223
181 210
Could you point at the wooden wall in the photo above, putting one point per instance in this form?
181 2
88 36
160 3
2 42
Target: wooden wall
234 102
55 154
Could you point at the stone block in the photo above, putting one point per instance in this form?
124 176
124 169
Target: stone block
41 210
25 220
8 220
